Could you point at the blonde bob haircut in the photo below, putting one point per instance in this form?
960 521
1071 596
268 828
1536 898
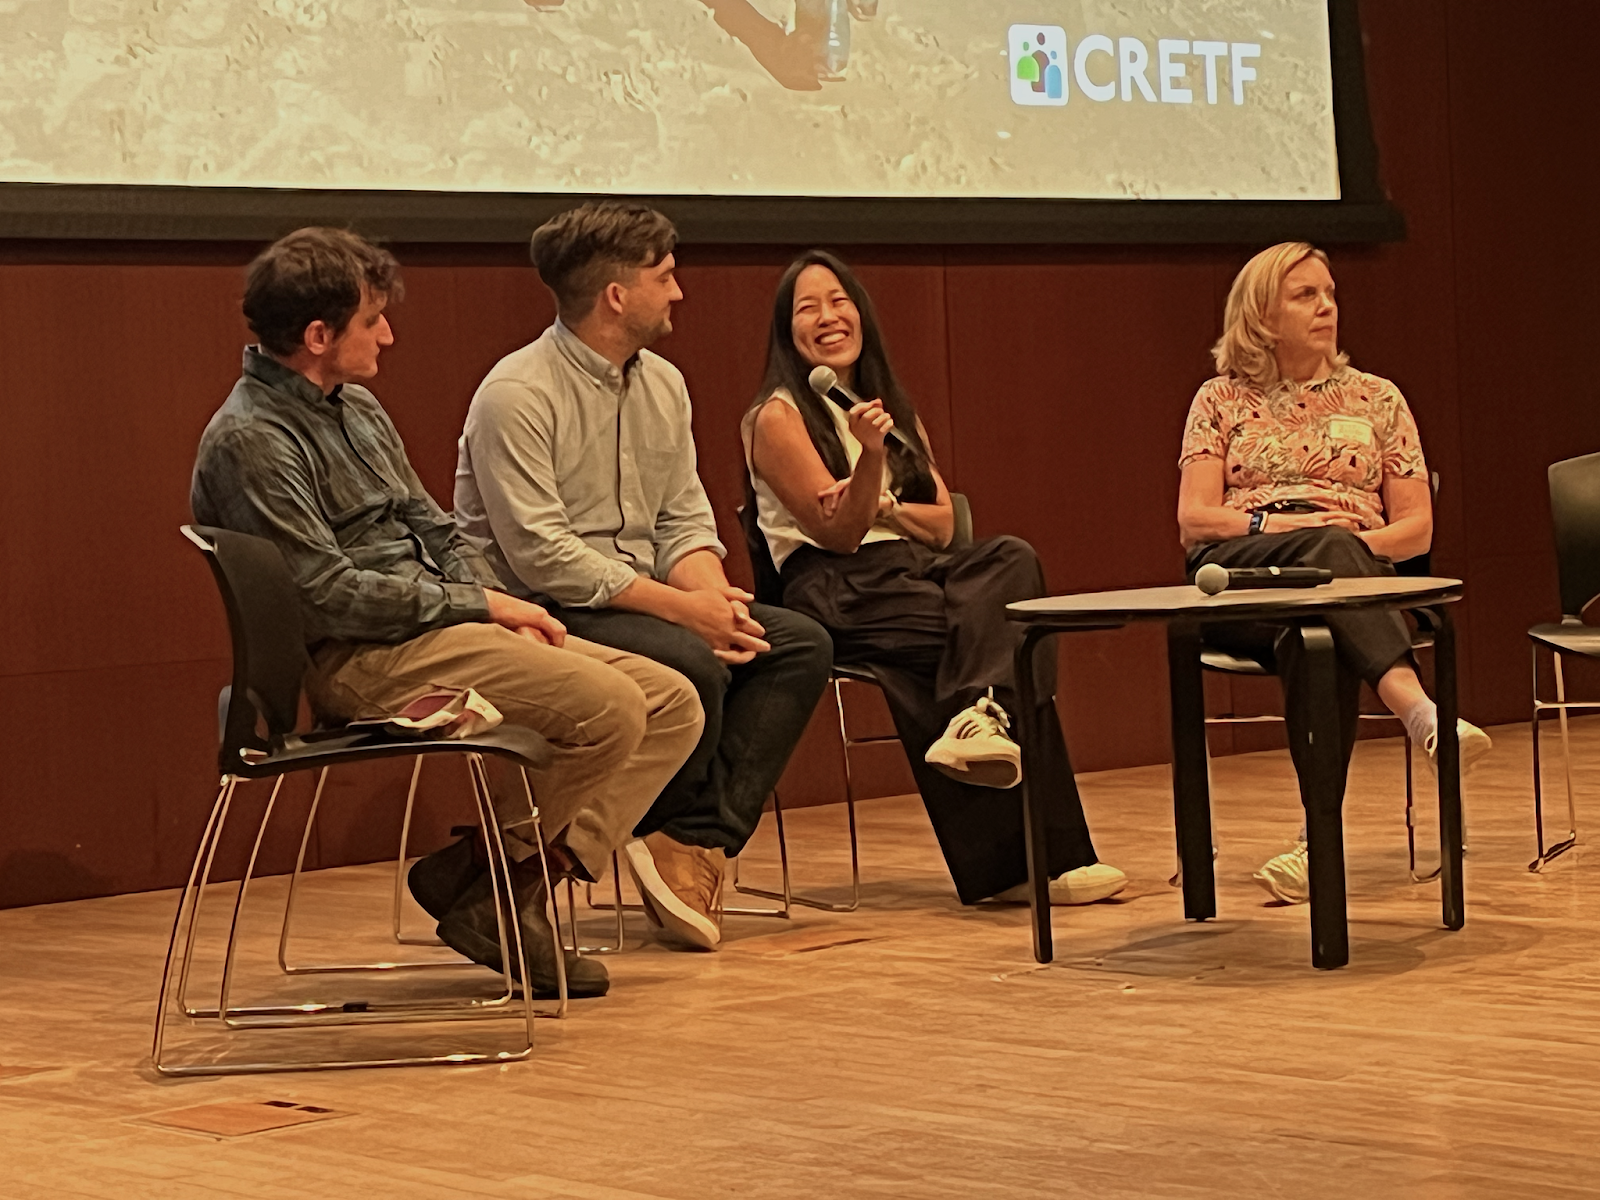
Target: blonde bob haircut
1245 350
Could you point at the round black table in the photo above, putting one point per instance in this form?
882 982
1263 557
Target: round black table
1184 611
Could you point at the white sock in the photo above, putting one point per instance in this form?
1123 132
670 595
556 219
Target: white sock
1421 720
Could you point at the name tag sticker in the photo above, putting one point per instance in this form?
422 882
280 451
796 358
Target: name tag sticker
1350 429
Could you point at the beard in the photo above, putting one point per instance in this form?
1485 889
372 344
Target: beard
647 333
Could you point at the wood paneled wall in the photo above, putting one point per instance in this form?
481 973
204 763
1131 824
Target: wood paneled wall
1054 383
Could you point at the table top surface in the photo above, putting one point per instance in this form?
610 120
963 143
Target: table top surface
1189 602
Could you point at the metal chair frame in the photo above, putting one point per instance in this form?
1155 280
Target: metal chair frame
1560 706
403 861
1575 520
241 1016
246 756
788 896
768 590
288 968
1227 664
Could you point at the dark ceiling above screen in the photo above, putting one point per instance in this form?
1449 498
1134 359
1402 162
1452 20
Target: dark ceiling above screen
1312 135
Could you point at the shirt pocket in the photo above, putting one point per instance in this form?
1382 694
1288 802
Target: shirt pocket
658 469
1352 451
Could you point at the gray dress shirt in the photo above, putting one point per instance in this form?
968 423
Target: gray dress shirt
580 477
327 479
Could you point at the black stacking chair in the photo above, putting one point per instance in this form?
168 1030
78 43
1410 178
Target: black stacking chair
259 712
768 589
1223 663
1575 513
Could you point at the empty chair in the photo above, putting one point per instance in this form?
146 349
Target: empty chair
1575 514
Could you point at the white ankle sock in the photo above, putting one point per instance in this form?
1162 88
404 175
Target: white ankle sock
1421 720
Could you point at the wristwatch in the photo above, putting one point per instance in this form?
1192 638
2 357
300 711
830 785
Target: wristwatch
1258 522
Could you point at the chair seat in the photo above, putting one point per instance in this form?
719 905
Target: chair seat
1218 660
328 748
1569 637
1213 659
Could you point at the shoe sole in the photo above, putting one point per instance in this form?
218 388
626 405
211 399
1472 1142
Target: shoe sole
1272 889
998 773
662 906
1074 896
1063 897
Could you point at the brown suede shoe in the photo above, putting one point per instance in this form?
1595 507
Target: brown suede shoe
681 887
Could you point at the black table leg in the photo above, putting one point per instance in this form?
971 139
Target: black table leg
1033 823
1448 760
1322 790
1191 782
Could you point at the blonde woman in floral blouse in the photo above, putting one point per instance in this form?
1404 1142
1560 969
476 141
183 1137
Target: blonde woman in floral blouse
1291 457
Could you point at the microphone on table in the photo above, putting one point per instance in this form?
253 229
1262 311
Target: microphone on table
1212 579
825 383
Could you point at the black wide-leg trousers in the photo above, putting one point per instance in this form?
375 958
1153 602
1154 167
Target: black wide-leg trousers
931 627
1367 643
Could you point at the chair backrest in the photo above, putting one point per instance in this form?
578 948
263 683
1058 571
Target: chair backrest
768 587
961 535
1575 511
269 650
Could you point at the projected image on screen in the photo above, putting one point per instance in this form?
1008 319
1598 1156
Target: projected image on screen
1153 99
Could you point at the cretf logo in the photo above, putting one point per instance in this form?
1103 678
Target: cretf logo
1038 64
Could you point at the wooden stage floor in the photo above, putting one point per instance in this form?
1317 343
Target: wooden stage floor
913 1049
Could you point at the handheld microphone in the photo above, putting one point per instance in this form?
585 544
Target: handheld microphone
1212 579
824 382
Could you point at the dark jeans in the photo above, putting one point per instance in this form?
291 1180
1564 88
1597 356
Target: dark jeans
932 628
1367 643
755 713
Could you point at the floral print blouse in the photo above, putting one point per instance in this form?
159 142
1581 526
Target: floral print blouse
1330 443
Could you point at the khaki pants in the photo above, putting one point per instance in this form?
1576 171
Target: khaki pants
621 724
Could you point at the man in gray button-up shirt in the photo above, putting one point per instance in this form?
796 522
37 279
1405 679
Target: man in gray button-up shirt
398 604
577 469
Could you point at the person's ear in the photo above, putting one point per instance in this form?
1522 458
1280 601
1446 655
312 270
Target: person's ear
614 297
318 338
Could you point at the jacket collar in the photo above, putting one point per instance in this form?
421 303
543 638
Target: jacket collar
262 366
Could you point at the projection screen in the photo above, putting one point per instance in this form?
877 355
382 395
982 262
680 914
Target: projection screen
893 108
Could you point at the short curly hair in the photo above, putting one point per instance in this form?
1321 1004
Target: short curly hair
583 249
313 274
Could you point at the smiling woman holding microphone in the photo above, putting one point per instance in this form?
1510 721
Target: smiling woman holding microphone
858 523
1291 457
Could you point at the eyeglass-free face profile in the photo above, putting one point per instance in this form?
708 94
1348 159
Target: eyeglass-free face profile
826 323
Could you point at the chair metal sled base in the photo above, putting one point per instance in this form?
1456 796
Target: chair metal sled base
229 1015
1561 706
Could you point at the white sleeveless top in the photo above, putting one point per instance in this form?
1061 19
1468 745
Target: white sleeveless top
783 533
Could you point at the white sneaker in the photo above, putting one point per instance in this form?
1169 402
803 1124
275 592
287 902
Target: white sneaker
977 749
1287 877
1475 743
1081 885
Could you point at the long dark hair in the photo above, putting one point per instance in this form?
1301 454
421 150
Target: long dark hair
910 468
